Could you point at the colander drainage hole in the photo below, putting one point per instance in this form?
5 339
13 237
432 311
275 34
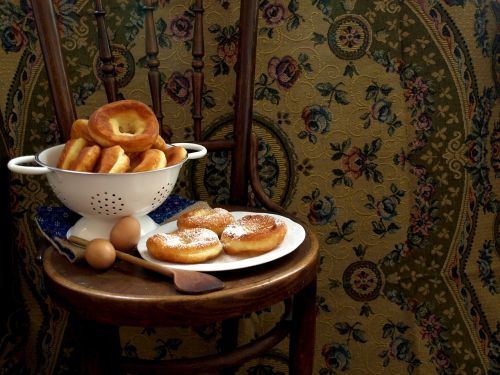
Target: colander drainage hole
106 203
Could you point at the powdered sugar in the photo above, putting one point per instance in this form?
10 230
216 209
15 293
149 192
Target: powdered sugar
190 237
207 214
235 231
250 224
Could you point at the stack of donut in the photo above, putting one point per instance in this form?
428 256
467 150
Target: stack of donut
119 137
204 233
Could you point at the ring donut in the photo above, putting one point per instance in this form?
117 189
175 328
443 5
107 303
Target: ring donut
87 159
80 129
253 235
160 144
150 160
128 123
215 219
70 152
113 160
175 154
186 246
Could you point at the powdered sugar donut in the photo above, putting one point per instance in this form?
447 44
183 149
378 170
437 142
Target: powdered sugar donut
215 219
186 246
253 235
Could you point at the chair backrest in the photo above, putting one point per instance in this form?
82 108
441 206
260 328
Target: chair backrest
243 144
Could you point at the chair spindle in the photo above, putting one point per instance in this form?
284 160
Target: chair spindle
243 106
153 64
105 54
50 43
198 52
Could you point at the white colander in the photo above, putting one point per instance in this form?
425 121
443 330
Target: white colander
103 198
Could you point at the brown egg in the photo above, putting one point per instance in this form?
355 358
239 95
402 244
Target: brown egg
125 234
100 254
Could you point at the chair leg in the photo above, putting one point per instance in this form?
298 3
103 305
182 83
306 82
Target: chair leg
229 340
99 346
303 331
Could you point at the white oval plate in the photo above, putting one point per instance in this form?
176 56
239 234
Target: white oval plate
294 236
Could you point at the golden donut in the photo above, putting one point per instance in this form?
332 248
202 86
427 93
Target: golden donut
135 159
113 160
160 144
127 123
253 235
186 246
80 129
215 219
175 154
70 152
150 160
87 159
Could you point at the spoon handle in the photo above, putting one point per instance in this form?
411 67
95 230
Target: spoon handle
78 241
142 263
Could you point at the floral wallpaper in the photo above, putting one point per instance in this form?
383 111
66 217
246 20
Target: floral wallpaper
378 125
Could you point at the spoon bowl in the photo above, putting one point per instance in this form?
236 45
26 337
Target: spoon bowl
187 282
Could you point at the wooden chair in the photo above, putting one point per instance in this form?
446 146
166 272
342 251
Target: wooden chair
103 302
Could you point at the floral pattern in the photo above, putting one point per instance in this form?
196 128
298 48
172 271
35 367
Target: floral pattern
362 281
399 346
337 356
273 15
178 87
285 71
317 119
349 37
386 210
227 48
485 259
322 210
377 125
356 162
380 110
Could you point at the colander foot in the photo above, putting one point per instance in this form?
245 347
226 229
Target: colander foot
91 227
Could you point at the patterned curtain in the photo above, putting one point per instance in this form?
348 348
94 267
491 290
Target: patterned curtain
378 124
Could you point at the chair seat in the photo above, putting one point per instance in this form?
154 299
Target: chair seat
126 294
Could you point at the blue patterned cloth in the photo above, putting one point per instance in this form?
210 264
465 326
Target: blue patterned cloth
55 221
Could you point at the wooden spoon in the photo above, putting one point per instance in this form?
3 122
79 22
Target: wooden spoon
188 282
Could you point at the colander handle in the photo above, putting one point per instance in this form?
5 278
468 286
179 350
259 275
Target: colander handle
15 165
200 151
